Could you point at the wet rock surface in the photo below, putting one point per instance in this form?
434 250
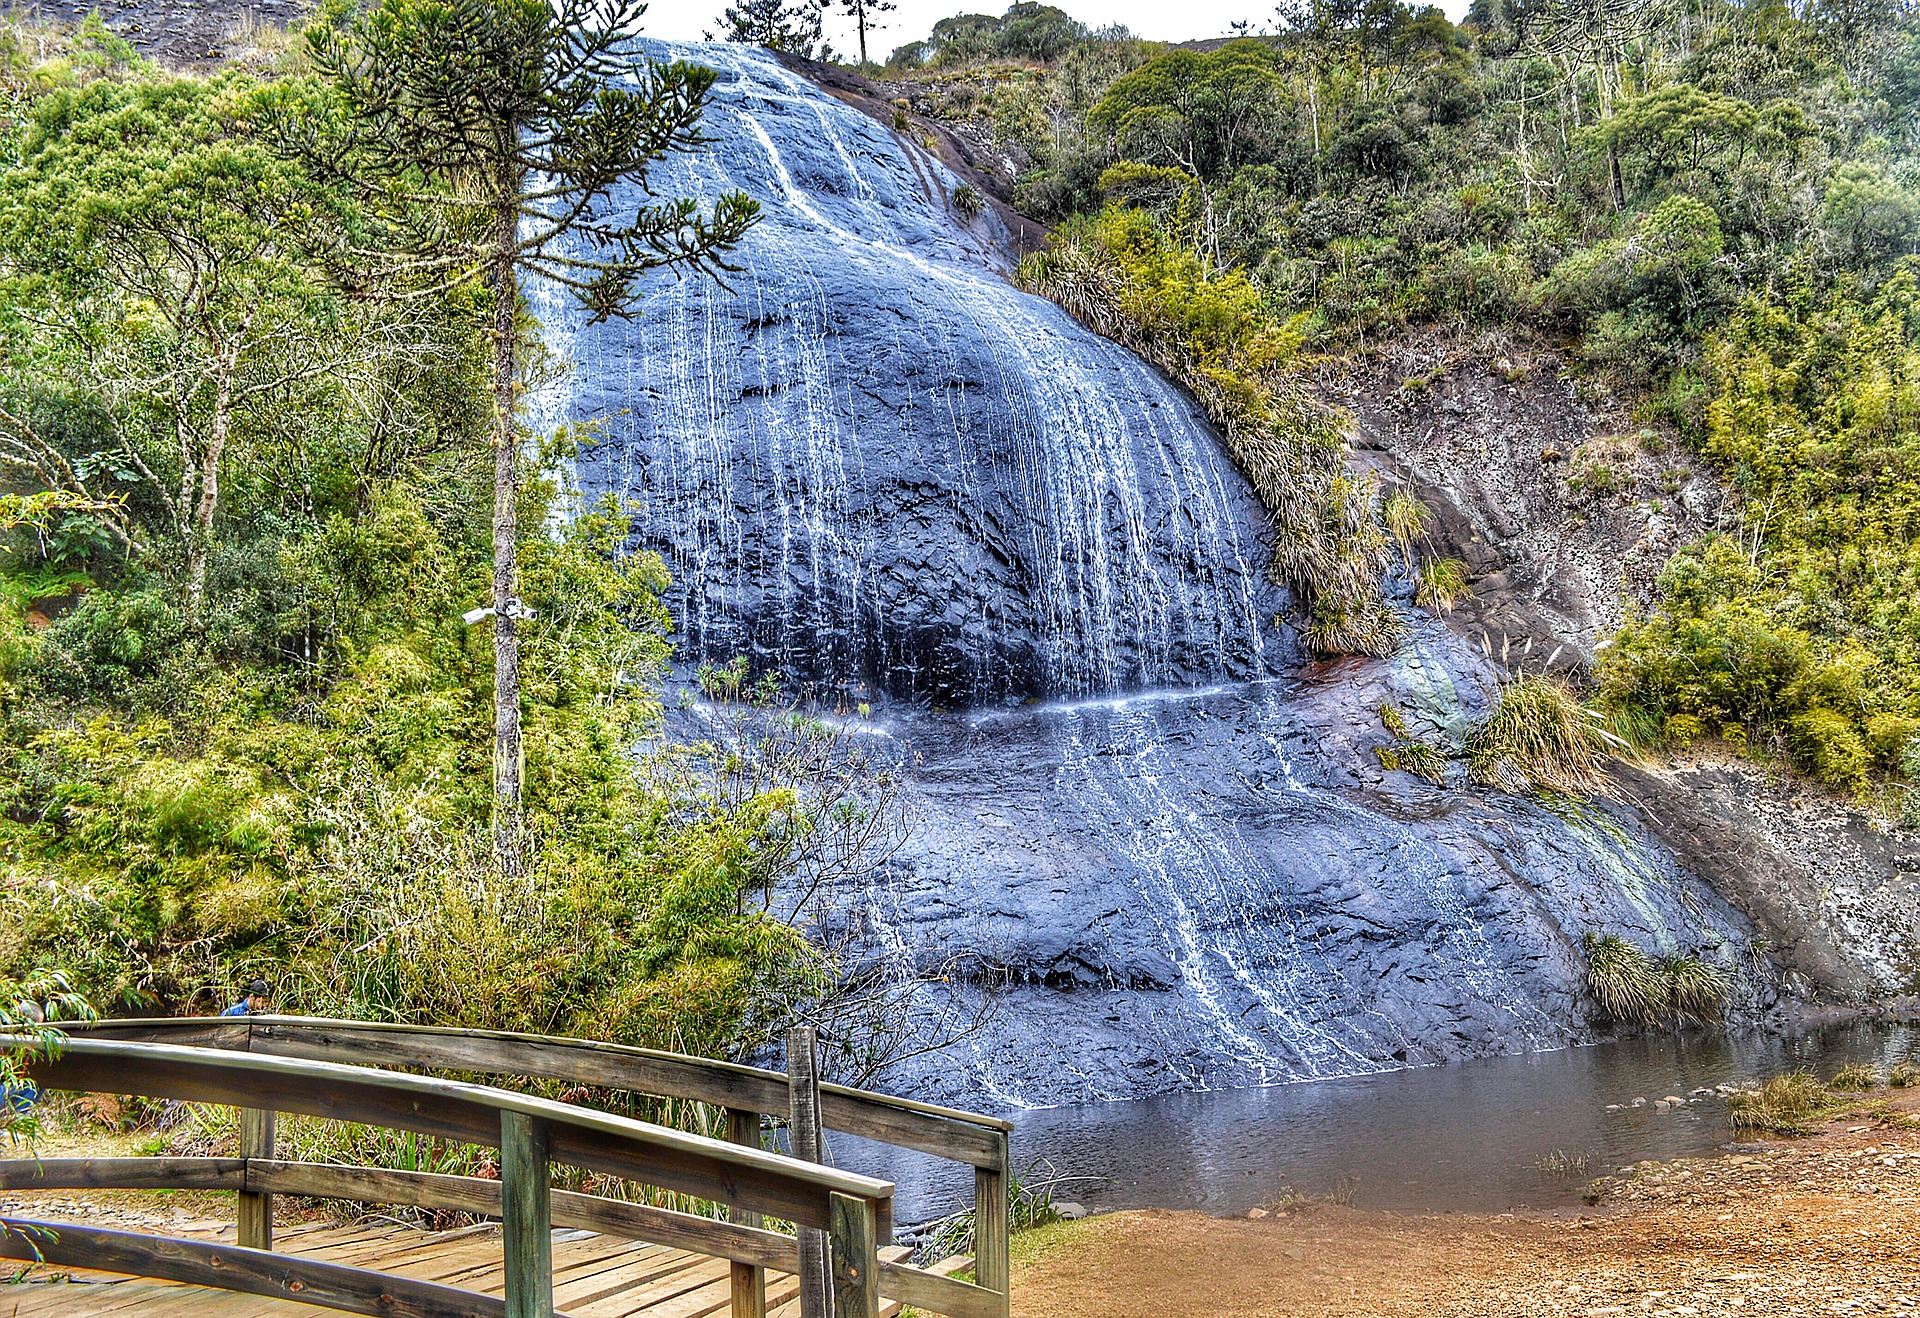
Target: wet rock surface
874 466
1154 842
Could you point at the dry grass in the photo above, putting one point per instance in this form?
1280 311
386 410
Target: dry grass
1791 1104
1541 735
1857 1078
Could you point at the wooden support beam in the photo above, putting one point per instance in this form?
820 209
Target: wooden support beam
526 1217
805 1143
256 1206
123 1174
992 1256
856 1263
749 1281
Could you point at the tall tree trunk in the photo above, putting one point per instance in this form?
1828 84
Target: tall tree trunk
860 19
207 478
509 844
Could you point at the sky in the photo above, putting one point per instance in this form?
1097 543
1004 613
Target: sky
1160 20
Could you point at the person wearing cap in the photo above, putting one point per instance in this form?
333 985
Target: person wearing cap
253 1004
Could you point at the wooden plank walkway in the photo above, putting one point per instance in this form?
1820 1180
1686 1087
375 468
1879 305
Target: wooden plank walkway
594 1276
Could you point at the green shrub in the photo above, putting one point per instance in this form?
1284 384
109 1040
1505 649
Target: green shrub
1905 1075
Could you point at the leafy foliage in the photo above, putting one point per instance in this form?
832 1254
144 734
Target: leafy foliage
281 769
1715 205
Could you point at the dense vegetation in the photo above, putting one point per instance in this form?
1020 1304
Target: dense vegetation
1713 207
246 730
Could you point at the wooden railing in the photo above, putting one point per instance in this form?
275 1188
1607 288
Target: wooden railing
348 1071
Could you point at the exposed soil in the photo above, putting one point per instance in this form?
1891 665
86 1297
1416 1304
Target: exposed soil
1825 1225
183 34
1562 510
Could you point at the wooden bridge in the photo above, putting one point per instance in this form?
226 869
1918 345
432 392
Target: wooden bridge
612 1258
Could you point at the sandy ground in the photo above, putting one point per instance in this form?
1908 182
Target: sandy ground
1824 1225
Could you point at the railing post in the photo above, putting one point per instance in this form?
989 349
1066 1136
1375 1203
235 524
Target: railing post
526 1216
256 1208
856 1259
749 1280
992 1260
803 1141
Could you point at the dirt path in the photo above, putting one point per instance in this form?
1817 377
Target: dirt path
1827 1225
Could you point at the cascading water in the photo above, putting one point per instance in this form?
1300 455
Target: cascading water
874 466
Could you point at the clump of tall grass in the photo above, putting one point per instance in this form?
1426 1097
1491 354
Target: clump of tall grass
1439 584
1790 1104
1407 519
1541 737
1905 1075
1624 980
968 202
1696 990
1632 986
1854 1078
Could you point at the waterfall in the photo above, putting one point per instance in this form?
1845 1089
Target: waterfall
871 462
875 467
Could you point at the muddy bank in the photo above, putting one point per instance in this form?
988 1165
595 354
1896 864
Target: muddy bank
1819 1225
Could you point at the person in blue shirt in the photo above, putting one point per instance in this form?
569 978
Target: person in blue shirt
255 1003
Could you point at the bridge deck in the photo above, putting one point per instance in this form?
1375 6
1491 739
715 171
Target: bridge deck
594 1276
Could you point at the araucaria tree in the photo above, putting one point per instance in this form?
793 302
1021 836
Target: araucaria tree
485 140
864 13
789 25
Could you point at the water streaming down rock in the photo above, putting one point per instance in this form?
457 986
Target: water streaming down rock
872 463
876 467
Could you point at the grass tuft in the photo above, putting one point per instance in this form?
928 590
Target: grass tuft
1540 735
1906 1075
1856 1078
1440 584
1790 1104
1633 987
1624 980
1696 990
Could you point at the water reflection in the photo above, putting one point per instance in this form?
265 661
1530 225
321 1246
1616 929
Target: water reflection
1477 1136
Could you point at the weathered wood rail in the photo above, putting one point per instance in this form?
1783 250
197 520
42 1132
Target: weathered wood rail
365 1072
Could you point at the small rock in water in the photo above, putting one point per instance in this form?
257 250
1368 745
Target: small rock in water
1674 1100
1257 1213
1069 1211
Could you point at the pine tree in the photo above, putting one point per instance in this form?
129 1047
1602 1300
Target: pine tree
789 25
484 140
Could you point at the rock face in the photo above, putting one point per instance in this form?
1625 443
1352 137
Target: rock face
1158 847
1562 510
873 465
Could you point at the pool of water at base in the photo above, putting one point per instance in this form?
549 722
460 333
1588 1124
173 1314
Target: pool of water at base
1488 1136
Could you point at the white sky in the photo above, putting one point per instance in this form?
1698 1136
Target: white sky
1160 20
